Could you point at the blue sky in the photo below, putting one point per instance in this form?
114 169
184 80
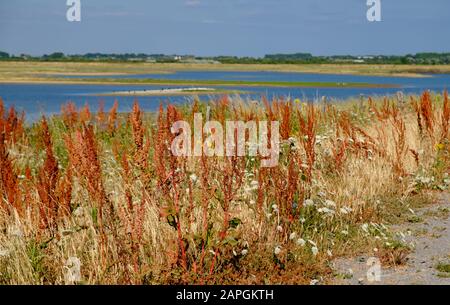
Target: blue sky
225 27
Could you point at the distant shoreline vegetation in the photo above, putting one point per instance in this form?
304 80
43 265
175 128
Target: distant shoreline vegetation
296 58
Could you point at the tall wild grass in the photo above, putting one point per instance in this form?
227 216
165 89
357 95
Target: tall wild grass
105 189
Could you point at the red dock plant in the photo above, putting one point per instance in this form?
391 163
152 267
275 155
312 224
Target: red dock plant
424 111
10 195
69 114
112 117
85 163
54 192
141 147
47 180
11 123
308 128
11 127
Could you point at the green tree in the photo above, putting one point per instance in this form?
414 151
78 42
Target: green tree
4 55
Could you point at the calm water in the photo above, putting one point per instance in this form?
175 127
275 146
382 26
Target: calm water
47 99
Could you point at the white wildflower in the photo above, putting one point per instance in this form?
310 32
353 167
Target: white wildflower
275 208
277 250
254 184
365 227
193 178
345 210
301 242
244 252
315 251
280 229
326 211
292 236
308 203
330 203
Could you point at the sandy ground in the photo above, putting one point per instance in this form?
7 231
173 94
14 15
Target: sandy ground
431 240
171 91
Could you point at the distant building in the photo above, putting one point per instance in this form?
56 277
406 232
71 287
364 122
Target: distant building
134 59
25 56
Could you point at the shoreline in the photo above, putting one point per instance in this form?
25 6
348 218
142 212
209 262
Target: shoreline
163 82
168 92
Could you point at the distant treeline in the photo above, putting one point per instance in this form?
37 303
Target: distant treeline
297 58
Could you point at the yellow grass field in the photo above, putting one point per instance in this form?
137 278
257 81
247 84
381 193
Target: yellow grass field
23 72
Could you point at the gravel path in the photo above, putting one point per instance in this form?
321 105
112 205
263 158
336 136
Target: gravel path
431 237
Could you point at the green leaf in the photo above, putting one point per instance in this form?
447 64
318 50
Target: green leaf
172 221
234 223
230 241
94 214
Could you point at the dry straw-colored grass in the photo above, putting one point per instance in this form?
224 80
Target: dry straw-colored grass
106 189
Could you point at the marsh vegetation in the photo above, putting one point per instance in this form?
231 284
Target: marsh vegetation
103 188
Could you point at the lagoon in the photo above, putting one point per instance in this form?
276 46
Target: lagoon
38 99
